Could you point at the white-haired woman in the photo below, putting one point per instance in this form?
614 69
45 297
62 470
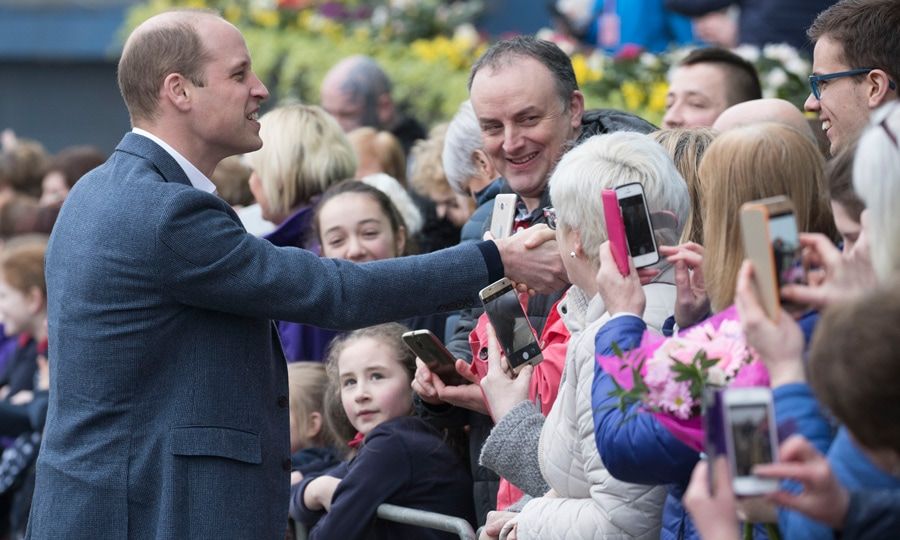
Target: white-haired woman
584 499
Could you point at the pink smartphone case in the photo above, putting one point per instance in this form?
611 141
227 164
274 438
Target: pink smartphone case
615 229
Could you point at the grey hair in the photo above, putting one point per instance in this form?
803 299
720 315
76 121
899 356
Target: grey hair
462 139
876 178
549 54
365 82
604 162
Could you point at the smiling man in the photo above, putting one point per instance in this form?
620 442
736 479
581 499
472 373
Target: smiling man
168 412
856 65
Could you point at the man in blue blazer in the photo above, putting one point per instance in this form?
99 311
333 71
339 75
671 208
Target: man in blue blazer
168 413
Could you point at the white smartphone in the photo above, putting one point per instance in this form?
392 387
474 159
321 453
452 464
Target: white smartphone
503 215
751 437
638 225
514 332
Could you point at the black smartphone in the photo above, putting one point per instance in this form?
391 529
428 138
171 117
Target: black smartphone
514 332
439 360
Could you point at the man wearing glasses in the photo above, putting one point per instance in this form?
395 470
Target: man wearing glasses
856 65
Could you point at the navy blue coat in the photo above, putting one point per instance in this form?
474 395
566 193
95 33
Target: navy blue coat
168 413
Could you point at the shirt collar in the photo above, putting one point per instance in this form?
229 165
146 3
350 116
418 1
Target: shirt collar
197 178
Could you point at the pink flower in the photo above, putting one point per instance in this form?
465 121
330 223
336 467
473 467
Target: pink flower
676 399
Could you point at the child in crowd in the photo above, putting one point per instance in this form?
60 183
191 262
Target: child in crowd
312 451
402 460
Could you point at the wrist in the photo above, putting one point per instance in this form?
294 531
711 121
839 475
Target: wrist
786 373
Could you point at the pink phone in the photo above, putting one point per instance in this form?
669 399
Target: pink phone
615 229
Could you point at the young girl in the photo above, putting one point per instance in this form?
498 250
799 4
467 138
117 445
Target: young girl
312 448
402 460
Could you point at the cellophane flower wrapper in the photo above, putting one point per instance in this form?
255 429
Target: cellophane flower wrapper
670 401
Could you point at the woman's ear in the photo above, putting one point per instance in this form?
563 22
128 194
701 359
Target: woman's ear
313 426
577 246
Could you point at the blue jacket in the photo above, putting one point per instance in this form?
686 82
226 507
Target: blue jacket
404 461
168 413
646 23
634 446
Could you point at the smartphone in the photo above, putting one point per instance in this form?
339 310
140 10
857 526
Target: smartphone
503 215
439 360
514 332
615 229
713 431
638 225
772 243
751 437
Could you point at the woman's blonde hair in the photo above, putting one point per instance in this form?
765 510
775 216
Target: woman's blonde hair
382 147
686 147
426 164
304 152
307 382
749 163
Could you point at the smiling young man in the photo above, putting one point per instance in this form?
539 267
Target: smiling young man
704 84
856 65
168 413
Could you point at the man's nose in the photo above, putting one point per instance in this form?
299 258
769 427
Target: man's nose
811 104
673 117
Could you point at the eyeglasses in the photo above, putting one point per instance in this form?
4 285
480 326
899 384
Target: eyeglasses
814 80
550 214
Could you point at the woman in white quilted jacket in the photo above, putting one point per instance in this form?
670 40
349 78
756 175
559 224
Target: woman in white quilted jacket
584 500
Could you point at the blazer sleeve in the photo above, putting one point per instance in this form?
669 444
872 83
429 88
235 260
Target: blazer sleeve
206 259
380 470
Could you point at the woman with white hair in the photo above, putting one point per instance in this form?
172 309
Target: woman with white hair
469 170
584 499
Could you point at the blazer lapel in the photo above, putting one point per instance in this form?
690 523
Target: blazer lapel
143 147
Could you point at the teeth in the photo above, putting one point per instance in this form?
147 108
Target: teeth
523 160
826 125
253 116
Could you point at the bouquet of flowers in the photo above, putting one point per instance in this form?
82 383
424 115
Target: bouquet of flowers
667 376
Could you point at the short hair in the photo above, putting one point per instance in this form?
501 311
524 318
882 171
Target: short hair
462 139
395 218
607 161
304 152
382 146
152 53
547 53
23 166
426 167
749 163
876 169
839 172
686 147
22 267
307 382
853 366
74 162
364 82
740 75
866 31
231 178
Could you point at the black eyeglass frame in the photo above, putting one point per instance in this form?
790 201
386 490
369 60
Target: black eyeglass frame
815 79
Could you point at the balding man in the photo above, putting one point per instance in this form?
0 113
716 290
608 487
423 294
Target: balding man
357 92
764 110
168 414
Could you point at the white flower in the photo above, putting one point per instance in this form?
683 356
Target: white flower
380 16
715 376
466 35
402 5
545 34
578 12
649 60
775 79
782 52
798 66
263 4
749 53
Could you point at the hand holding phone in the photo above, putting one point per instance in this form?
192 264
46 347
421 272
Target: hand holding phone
503 215
638 224
615 230
511 325
437 358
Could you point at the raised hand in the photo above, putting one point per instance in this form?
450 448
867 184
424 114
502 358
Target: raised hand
621 294
691 301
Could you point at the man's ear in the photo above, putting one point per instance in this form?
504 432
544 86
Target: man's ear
385 110
880 90
178 91
576 109
35 300
484 164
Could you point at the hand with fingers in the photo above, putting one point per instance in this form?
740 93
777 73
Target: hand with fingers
836 277
502 388
823 498
779 343
494 524
432 389
621 294
531 259
714 514
691 302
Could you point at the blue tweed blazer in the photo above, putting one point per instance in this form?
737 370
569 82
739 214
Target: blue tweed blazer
168 411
